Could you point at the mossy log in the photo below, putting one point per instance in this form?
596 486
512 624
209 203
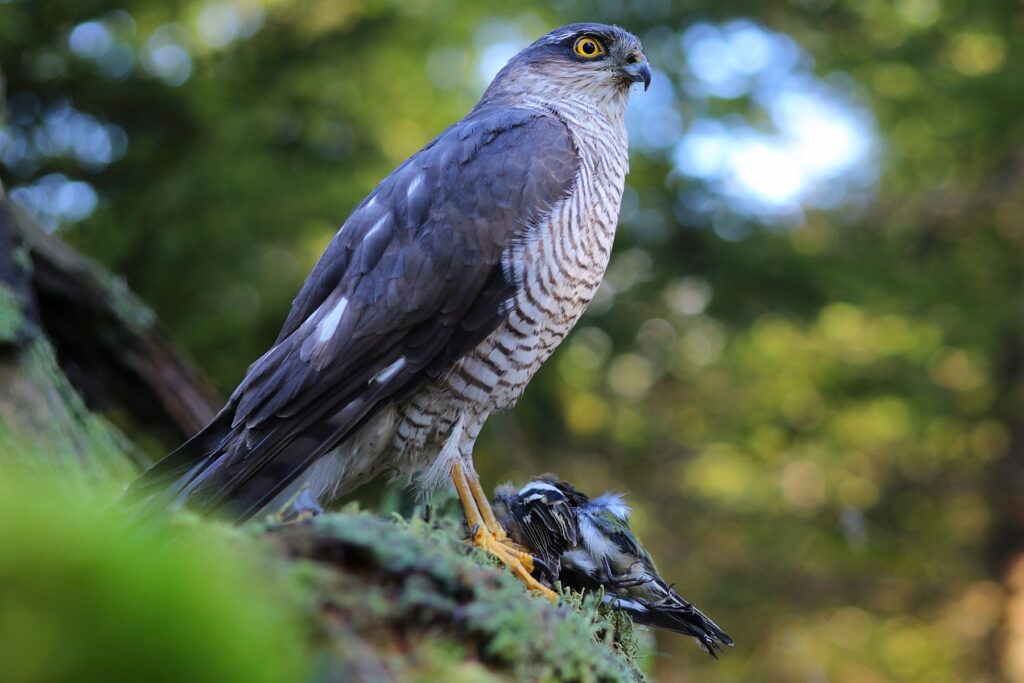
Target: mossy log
76 344
380 599
398 601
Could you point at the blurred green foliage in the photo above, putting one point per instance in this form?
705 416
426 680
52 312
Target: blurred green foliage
87 598
809 415
90 595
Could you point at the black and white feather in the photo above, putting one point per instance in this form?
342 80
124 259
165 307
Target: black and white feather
594 549
541 517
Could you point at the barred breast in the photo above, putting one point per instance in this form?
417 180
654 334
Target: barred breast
558 272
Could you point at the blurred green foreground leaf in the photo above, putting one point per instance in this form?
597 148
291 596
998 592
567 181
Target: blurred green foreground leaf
86 599
85 595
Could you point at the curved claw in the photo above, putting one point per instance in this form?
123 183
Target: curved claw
301 507
517 561
486 533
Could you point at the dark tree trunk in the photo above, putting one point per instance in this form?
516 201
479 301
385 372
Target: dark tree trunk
1007 545
75 343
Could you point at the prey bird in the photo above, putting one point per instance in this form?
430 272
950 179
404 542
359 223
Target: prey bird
588 545
436 302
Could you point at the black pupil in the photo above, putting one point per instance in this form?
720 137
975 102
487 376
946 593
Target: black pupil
588 47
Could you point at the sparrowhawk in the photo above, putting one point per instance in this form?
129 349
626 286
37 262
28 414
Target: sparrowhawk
437 300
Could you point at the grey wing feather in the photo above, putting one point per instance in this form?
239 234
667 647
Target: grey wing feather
412 281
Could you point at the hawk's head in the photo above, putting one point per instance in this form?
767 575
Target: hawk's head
596 61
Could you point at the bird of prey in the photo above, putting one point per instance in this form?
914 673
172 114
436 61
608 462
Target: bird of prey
437 300
588 545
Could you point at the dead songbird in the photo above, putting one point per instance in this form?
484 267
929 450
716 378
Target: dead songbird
587 544
541 516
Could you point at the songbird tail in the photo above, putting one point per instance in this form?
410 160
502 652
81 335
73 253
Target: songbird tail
677 615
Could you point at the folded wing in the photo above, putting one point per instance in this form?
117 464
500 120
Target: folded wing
411 282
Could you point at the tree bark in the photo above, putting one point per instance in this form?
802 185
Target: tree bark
75 344
1007 544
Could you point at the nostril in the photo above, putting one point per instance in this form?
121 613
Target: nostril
634 58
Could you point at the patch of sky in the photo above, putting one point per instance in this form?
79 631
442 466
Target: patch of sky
55 199
741 115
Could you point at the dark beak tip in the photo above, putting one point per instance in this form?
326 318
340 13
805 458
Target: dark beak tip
646 73
639 72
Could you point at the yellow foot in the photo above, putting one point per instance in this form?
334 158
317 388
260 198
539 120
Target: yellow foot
486 533
516 560
301 507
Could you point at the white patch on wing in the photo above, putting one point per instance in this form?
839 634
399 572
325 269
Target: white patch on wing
414 185
389 372
377 226
581 561
597 543
613 503
329 324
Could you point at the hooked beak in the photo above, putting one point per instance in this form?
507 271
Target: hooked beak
638 70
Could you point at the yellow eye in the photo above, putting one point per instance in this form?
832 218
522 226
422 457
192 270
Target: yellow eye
588 47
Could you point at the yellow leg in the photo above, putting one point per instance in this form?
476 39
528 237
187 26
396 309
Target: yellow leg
484 505
473 517
301 507
486 533
491 522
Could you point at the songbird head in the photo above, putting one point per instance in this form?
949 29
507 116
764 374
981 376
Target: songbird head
542 517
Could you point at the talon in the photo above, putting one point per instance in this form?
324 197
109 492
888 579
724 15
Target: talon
488 535
301 507
516 561
542 570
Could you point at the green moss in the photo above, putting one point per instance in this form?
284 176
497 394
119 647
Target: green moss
83 597
45 424
412 598
348 596
11 318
